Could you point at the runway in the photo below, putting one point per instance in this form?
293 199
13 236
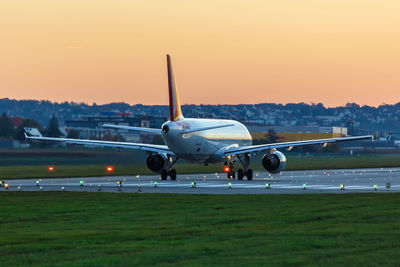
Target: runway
386 180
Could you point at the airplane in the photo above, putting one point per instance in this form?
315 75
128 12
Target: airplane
202 141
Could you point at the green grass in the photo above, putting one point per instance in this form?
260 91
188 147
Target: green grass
64 228
327 161
40 171
69 156
75 168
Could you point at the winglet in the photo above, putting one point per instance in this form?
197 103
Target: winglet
175 112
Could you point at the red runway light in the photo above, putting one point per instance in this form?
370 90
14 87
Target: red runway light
110 168
227 169
50 168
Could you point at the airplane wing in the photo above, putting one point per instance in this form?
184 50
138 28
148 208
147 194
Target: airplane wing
258 148
138 146
131 128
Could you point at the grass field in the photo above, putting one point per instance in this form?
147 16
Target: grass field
64 228
85 165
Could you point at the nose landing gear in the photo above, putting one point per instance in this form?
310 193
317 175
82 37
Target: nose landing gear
229 170
231 174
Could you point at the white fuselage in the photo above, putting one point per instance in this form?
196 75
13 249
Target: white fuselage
207 146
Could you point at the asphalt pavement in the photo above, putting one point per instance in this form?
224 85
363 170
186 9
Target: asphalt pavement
382 180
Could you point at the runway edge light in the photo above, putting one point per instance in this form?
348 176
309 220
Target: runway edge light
110 168
267 186
388 186
50 168
227 169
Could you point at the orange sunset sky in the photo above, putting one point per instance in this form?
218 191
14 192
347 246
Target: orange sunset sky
224 51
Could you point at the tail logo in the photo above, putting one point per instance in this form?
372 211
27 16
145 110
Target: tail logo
175 112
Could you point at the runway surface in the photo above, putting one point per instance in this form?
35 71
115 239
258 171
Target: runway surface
290 182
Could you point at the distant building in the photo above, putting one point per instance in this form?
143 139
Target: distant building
296 133
91 126
9 144
257 128
334 130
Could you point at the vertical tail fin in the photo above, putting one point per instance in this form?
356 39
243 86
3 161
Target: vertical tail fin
175 112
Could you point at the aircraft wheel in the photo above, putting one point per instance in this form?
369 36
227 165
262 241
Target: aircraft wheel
172 174
240 174
249 174
164 174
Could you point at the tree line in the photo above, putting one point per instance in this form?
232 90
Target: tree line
8 131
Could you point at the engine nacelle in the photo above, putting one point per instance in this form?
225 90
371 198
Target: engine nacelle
157 162
274 162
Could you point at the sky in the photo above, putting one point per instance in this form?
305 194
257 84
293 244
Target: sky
224 52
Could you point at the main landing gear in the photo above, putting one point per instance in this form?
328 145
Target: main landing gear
169 171
245 160
248 174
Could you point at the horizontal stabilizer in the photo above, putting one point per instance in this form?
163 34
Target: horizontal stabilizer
131 128
206 128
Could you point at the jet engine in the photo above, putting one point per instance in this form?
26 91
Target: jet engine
274 162
157 162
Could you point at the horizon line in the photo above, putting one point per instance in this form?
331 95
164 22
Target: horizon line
186 104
